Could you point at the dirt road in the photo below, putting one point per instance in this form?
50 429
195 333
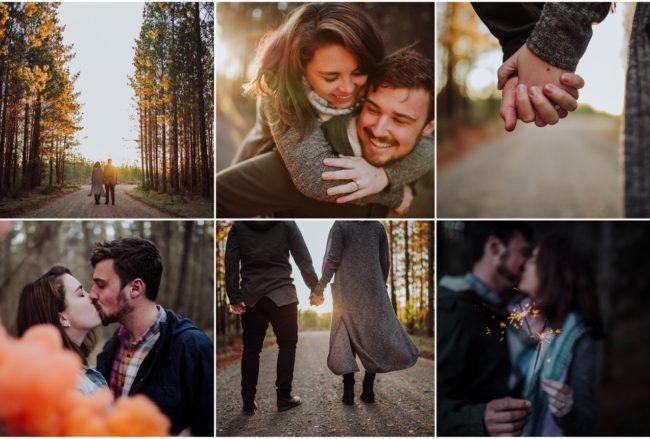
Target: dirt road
404 404
79 205
567 170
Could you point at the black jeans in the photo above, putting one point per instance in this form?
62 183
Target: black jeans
110 192
255 321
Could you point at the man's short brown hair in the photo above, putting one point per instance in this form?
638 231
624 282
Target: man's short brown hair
408 68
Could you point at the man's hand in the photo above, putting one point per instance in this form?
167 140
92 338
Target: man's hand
506 416
366 179
316 299
542 93
238 308
560 397
406 201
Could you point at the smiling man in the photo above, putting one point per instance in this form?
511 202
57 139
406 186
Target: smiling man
397 114
155 351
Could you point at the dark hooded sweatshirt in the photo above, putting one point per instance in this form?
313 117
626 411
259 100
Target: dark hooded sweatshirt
257 262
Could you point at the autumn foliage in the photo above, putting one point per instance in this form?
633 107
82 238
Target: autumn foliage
38 390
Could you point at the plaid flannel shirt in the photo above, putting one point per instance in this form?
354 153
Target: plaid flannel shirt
130 356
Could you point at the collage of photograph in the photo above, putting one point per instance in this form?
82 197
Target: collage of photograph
329 219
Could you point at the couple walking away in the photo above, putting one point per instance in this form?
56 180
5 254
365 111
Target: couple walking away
536 375
103 182
155 352
364 325
342 127
542 45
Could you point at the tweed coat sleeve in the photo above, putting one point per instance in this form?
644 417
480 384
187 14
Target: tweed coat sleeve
332 258
301 255
233 258
303 156
563 31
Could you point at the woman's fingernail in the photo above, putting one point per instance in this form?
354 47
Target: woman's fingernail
549 88
521 89
565 77
534 91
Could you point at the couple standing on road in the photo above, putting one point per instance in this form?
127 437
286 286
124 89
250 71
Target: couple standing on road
260 288
103 182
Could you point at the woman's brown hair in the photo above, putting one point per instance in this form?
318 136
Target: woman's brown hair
41 302
565 285
284 53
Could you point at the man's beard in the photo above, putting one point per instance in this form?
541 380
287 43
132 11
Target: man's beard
124 308
510 279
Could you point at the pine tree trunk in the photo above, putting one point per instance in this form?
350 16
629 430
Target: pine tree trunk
203 145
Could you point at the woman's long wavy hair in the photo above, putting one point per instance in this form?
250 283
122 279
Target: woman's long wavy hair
284 53
565 285
41 301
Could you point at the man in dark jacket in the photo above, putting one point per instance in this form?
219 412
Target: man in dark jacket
155 352
473 360
260 288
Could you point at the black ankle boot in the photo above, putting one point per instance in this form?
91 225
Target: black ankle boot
348 389
368 394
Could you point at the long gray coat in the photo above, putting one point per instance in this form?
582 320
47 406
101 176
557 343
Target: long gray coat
363 321
97 182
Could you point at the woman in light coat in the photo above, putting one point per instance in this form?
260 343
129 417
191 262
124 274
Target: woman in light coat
364 323
97 182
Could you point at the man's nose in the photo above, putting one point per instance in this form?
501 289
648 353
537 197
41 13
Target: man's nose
380 129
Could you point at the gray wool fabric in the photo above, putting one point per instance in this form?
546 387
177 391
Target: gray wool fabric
303 157
363 321
563 31
637 117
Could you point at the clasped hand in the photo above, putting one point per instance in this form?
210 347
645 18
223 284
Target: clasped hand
539 92
316 299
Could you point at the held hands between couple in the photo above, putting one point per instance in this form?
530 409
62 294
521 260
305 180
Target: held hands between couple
540 92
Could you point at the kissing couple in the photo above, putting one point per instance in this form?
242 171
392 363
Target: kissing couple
155 351
364 324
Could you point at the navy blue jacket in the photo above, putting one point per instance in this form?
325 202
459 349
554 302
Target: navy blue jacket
177 375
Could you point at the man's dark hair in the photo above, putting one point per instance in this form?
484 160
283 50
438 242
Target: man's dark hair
132 258
503 230
408 68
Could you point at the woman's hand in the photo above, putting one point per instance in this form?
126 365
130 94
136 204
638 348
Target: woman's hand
238 308
542 92
560 397
366 179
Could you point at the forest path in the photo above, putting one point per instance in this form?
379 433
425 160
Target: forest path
567 170
404 399
79 205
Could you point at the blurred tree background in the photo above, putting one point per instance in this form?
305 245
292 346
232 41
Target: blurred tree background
410 284
185 246
240 26
617 254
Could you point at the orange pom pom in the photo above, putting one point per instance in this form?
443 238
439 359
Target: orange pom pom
137 416
45 335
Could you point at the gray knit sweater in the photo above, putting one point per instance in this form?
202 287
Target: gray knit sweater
563 31
303 157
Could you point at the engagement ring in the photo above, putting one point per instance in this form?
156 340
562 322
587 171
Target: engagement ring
357 183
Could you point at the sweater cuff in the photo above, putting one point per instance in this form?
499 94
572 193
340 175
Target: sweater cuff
563 32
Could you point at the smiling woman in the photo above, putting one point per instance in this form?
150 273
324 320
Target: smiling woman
314 69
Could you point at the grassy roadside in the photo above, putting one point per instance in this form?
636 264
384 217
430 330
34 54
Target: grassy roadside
178 205
14 206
